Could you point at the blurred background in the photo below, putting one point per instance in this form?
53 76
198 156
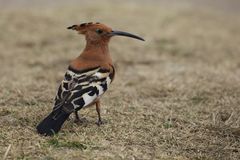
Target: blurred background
175 96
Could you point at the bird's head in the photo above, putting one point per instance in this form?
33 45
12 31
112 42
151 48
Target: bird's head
98 32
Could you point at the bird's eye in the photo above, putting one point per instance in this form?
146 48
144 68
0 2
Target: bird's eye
99 31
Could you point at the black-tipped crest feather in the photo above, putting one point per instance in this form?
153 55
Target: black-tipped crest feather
75 27
72 27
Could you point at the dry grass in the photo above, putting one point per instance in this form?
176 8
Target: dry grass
176 96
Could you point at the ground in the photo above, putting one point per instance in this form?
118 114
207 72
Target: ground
175 96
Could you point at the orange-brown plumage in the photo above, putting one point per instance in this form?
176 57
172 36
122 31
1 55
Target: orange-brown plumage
96 52
87 78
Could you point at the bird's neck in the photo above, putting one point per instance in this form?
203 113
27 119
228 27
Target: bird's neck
96 52
101 47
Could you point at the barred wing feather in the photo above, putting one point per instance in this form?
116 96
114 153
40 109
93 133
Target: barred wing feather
81 88
77 90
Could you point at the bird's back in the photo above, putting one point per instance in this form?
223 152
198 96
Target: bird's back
81 88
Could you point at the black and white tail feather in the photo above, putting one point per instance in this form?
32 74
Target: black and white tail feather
77 90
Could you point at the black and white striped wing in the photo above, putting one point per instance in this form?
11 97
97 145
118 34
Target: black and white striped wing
79 89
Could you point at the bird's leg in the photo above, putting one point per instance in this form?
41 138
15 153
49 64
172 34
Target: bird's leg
77 119
76 116
99 122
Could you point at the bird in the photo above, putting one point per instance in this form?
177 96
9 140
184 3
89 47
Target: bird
87 78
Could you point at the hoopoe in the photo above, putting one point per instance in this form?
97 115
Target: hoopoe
87 78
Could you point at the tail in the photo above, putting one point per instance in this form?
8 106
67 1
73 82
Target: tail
53 122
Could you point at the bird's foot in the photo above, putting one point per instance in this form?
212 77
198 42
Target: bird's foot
101 122
80 120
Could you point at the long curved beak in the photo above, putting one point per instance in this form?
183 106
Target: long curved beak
126 34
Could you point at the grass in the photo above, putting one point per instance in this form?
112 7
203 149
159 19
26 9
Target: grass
175 96
57 144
